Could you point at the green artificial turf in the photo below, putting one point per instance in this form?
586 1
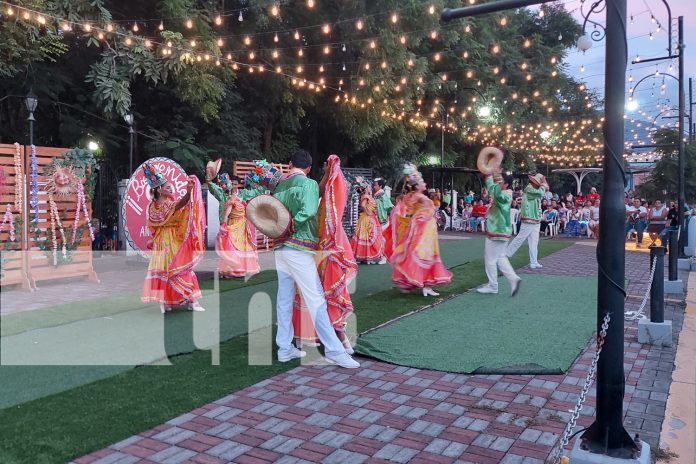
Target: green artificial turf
474 333
62 426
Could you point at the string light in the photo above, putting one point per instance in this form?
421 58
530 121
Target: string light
161 26
297 35
310 3
431 9
218 20
189 24
135 27
274 10
326 29
359 25
395 18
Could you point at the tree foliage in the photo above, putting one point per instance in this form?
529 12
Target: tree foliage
663 182
193 110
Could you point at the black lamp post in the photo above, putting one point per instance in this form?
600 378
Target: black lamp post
31 103
131 133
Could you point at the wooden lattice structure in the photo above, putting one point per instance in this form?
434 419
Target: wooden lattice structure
14 269
34 264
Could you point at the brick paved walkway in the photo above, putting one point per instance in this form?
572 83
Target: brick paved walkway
383 413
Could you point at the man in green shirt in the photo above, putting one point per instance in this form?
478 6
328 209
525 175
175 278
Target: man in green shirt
295 264
530 216
498 232
384 203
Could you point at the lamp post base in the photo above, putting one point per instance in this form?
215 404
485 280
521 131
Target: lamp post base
581 456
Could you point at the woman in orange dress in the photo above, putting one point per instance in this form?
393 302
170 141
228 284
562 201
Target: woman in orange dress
368 241
335 261
236 241
413 248
177 243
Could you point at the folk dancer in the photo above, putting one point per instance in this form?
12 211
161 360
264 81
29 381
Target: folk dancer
498 232
295 264
413 249
530 217
384 203
177 243
334 259
236 241
368 241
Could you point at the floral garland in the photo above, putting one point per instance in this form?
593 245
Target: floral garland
55 220
81 206
9 219
19 178
34 184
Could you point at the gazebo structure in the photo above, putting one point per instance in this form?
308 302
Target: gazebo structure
579 174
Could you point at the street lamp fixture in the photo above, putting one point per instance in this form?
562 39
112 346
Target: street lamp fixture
632 104
31 103
92 145
484 111
131 133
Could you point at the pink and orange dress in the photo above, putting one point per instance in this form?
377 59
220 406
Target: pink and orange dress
412 244
368 241
177 247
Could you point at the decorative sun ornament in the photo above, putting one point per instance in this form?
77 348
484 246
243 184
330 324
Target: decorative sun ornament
584 43
62 181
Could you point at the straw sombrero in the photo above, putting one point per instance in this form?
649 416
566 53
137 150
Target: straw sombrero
489 159
269 215
213 167
537 180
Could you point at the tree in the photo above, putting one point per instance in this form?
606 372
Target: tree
663 181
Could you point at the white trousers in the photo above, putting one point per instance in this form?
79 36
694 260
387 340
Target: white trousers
298 267
529 232
495 258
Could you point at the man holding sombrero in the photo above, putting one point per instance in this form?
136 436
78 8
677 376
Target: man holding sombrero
530 216
295 264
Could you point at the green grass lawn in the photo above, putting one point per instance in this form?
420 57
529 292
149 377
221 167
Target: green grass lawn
60 427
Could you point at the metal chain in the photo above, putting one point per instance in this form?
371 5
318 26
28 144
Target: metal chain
640 312
631 315
586 388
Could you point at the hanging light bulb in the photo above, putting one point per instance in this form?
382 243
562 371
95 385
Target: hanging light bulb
467 28
394 18
161 26
310 3
275 38
220 42
344 66
326 29
651 36
189 23
218 20
240 18
135 27
496 49
274 10
327 50
359 25
300 52
541 12
297 35
275 54
582 68
373 44
433 35
527 43
193 43
503 21
560 36
247 40
431 9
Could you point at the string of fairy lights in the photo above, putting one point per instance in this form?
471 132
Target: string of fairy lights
401 91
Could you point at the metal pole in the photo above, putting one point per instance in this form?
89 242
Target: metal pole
691 113
682 154
657 287
607 434
673 242
442 157
131 133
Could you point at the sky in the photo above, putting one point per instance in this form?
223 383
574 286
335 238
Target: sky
589 67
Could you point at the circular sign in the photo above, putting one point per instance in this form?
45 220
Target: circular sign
138 196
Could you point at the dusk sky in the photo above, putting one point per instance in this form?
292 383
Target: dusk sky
640 43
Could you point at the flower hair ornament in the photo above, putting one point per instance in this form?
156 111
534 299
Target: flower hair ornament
411 175
154 178
360 183
225 181
263 175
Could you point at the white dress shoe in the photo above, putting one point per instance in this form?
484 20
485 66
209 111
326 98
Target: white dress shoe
343 360
293 354
536 266
515 286
427 291
195 306
487 289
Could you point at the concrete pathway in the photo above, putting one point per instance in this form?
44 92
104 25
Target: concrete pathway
383 413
